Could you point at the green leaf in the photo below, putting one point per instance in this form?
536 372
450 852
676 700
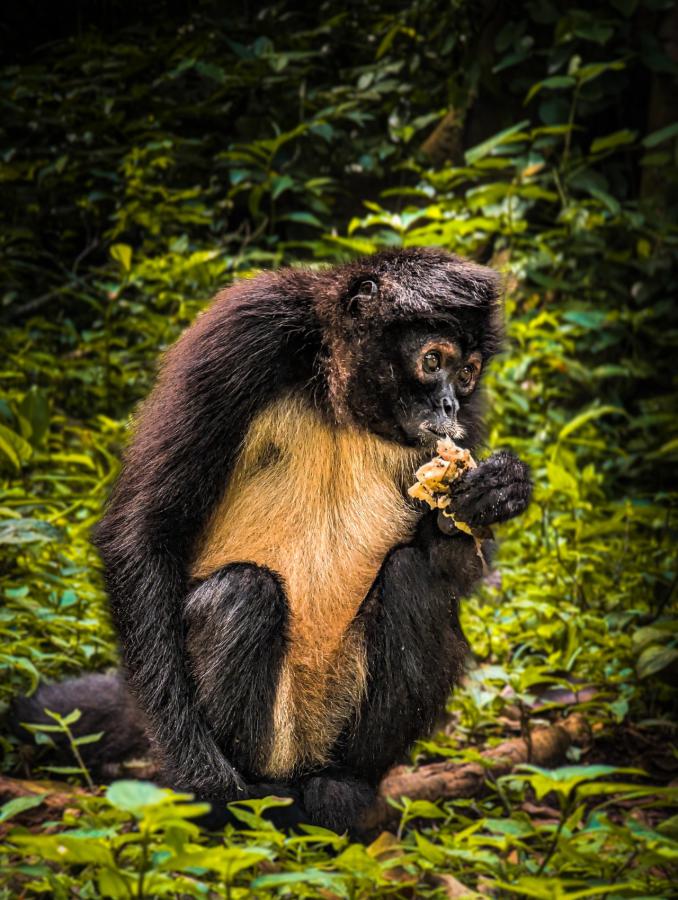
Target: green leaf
562 780
280 184
115 884
331 882
70 719
19 805
228 861
15 448
588 73
589 415
587 318
305 218
669 826
607 200
555 82
88 738
486 147
663 134
670 447
27 531
561 480
423 809
135 796
62 848
616 139
122 253
655 658
34 409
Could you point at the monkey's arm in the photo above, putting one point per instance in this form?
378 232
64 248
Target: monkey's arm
410 620
144 596
414 644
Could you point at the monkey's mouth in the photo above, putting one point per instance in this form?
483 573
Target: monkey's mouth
434 430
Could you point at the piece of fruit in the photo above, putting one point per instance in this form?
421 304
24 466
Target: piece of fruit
433 486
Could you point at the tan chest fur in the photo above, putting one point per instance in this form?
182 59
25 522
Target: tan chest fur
320 506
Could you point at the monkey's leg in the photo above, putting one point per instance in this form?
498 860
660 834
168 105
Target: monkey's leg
236 639
336 798
415 646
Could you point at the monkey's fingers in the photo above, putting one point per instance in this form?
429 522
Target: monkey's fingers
478 506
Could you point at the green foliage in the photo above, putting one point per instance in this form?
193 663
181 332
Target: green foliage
141 171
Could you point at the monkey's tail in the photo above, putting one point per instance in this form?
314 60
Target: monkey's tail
106 708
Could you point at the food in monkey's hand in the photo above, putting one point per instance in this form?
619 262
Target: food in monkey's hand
433 487
434 478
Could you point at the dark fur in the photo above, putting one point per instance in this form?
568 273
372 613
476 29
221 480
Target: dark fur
236 648
312 332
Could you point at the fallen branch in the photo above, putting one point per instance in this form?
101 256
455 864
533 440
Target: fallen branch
450 781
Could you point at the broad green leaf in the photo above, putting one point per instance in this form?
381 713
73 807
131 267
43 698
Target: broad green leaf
280 184
423 809
116 884
562 780
328 880
135 796
62 848
226 860
304 218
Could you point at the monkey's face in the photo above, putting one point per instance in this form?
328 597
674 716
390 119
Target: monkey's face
418 385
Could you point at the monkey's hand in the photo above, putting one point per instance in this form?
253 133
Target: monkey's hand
498 489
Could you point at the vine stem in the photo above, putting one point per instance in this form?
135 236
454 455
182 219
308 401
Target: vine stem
144 865
554 843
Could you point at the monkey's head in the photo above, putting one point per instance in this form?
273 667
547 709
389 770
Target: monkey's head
409 336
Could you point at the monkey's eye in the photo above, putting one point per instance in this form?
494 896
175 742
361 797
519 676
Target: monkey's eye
466 374
368 287
431 362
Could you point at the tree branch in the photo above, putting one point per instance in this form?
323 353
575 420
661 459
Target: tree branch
449 781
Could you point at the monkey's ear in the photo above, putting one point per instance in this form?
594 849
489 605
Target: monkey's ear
360 292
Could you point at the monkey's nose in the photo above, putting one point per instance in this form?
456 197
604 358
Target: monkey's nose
449 407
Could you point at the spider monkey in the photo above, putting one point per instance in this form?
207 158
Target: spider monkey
288 619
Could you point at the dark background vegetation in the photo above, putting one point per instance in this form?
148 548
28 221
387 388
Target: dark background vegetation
150 153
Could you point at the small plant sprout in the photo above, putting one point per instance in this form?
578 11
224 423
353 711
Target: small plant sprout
62 725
